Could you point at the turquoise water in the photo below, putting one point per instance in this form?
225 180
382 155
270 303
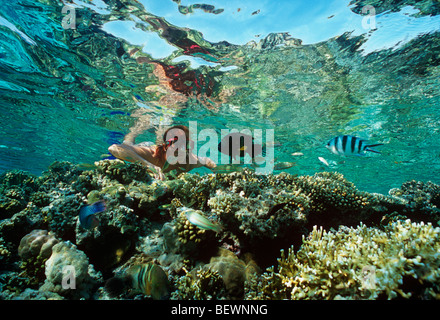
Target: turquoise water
70 90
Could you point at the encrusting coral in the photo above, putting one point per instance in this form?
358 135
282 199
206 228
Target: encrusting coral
37 243
68 268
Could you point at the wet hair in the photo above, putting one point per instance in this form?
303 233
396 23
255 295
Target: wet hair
162 148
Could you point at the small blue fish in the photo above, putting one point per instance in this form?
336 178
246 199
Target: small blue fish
87 217
350 145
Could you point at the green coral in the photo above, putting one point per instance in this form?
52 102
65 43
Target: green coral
16 186
5 253
403 262
270 206
59 173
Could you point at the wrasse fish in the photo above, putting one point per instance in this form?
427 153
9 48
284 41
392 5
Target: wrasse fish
228 168
147 278
199 220
239 144
87 213
283 165
350 145
150 279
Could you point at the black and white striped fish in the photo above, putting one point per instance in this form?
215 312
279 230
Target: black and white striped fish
349 145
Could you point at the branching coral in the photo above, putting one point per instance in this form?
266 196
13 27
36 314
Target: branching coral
358 263
199 284
331 194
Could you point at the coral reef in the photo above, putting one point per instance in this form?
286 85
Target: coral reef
65 261
214 236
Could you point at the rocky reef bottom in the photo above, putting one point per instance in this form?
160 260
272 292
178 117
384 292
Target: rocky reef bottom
213 236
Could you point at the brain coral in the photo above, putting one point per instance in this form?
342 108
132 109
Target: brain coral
401 261
37 243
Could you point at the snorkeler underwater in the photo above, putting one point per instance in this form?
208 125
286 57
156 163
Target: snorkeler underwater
231 150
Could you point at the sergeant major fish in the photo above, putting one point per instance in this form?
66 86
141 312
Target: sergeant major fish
350 145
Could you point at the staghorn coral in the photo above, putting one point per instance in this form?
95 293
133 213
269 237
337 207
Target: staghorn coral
401 261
